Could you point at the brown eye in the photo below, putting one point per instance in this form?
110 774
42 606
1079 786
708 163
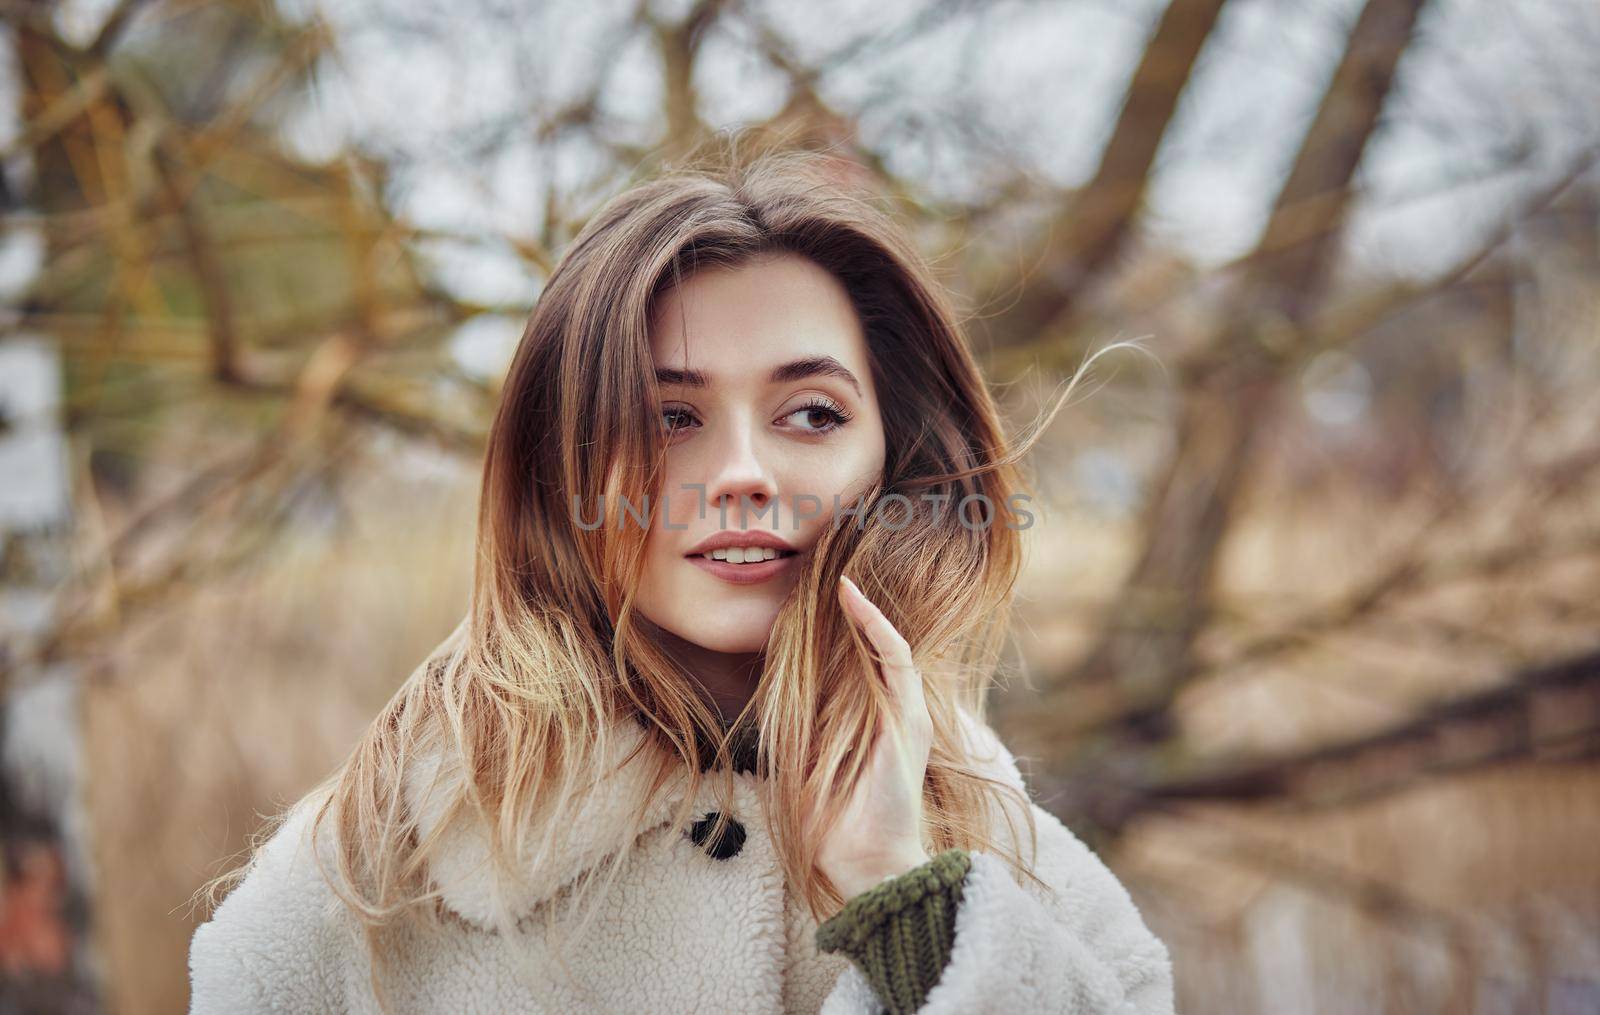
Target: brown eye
819 417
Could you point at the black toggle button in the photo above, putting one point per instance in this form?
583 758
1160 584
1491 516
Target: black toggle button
727 845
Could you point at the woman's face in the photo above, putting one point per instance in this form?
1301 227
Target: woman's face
768 403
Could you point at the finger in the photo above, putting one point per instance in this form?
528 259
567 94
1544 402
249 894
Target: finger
892 648
899 669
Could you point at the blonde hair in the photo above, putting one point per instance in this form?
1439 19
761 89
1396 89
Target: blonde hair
521 694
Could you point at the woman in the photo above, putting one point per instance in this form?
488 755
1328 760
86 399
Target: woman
739 390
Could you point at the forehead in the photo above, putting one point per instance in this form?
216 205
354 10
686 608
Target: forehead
776 308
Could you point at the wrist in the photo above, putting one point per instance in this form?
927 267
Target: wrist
860 877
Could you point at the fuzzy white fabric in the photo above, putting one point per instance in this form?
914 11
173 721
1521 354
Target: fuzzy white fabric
679 930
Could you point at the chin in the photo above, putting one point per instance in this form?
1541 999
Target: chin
730 628
744 638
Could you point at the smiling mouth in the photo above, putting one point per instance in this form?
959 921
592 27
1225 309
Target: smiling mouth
743 554
745 565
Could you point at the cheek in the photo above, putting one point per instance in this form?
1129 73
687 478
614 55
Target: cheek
848 467
663 585
838 477
678 499
675 521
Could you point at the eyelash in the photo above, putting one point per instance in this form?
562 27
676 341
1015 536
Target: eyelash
839 414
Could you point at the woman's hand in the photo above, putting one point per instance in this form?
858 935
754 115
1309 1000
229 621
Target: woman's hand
879 832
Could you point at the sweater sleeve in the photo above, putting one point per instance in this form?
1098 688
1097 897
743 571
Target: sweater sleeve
899 932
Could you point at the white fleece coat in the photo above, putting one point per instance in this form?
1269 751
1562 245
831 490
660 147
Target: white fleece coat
680 930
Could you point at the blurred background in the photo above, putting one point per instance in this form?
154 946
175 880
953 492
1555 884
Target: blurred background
1309 640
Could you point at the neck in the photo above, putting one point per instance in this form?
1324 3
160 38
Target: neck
728 678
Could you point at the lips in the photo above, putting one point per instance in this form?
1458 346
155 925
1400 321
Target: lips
743 558
744 574
732 538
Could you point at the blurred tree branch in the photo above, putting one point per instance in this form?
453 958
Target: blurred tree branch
1092 227
1230 392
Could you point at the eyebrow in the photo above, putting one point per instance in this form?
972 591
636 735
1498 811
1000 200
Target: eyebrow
794 370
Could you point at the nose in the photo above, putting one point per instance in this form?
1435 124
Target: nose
739 474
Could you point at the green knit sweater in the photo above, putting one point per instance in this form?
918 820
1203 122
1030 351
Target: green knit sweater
900 931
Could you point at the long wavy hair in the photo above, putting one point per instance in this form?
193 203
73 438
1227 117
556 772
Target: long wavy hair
521 695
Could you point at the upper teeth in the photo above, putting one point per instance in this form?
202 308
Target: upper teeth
743 554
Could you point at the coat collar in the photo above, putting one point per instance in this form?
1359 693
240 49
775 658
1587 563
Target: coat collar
461 867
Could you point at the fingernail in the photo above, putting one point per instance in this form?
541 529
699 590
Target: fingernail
850 598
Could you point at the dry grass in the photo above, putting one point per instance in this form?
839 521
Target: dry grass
232 704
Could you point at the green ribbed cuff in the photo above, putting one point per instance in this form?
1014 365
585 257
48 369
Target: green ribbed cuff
900 931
